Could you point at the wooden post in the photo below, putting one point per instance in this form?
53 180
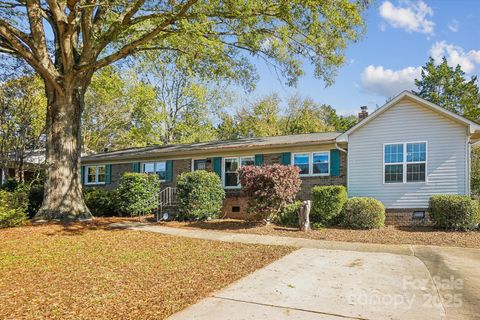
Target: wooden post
304 216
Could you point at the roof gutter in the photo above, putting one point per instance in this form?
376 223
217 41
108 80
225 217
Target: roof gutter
339 148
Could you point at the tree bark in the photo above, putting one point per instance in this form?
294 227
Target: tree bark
304 216
63 199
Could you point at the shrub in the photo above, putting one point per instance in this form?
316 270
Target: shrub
12 208
137 193
101 202
10 185
269 188
35 199
363 213
327 204
200 195
454 212
288 217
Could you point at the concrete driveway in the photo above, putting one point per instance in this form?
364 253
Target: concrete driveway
311 283
456 272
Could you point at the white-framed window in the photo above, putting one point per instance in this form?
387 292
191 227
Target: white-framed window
312 163
199 164
158 167
405 162
230 170
95 174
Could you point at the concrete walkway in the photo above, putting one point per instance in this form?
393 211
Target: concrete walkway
267 240
342 280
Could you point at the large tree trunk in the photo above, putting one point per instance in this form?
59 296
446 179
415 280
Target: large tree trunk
63 197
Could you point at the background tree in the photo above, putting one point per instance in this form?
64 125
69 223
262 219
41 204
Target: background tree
475 167
87 35
305 116
119 112
186 99
448 87
22 121
268 117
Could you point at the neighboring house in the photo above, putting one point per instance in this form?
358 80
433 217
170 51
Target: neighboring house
403 153
26 170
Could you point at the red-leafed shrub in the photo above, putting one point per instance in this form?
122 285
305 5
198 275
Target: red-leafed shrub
269 188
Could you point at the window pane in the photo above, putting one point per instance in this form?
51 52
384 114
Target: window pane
416 172
393 173
416 152
247 161
320 163
101 174
231 179
301 161
199 164
91 174
393 153
320 168
149 167
231 165
161 169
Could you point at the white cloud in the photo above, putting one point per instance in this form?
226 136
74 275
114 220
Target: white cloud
413 17
455 55
453 25
388 83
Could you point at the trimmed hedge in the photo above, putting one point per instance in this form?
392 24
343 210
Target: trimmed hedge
101 202
327 204
200 195
269 188
457 212
13 207
137 193
288 217
363 213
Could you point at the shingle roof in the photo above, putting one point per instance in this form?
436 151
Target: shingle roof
164 150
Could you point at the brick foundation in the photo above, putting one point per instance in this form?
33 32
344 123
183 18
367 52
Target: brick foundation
404 217
234 202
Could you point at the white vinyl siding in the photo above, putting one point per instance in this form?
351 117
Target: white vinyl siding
446 156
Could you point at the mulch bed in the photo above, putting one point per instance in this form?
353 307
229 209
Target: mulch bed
90 271
420 235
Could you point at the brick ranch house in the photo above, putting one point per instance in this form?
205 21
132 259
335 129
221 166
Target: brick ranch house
404 152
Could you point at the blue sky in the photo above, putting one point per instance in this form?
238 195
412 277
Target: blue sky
400 37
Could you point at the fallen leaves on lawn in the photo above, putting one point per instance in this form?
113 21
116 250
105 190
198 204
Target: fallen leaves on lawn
88 271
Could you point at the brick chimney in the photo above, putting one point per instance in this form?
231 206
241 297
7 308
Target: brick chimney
363 113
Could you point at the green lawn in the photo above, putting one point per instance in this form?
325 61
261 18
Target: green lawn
92 272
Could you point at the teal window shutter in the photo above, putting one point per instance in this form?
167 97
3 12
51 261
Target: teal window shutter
335 162
82 173
258 159
136 167
169 170
286 158
108 173
217 165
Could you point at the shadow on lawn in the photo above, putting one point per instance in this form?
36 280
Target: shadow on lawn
99 223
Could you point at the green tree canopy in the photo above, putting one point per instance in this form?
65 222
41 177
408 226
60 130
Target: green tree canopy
22 120
449 88
268 117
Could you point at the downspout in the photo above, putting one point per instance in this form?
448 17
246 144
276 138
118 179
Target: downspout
348 167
